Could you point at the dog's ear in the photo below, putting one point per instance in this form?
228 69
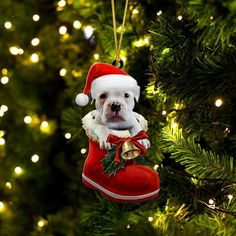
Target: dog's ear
136 90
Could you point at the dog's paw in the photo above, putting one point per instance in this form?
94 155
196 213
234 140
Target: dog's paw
104 145
145 143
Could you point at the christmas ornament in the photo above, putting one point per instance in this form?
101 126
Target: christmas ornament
117 137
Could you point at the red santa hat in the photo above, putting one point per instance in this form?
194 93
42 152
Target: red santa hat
103 77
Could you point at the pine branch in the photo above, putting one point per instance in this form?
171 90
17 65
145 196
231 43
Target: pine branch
214 23
185 66
217 209
205 224
197 161
71 121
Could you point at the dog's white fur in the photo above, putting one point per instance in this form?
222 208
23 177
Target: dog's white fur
105 119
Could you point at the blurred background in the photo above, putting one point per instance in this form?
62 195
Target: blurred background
183 55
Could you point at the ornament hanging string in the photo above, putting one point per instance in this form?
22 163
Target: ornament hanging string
117 59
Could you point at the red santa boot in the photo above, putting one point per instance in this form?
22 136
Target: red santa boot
132 183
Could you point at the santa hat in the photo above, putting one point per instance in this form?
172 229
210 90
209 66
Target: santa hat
103 77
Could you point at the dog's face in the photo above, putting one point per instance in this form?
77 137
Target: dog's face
115 107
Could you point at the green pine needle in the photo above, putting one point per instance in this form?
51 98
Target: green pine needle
197 161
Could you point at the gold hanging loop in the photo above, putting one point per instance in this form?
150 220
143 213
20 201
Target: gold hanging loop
118 47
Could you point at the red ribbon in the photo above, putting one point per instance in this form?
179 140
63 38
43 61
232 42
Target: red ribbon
119 141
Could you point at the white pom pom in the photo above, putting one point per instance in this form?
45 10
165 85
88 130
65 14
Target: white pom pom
82 99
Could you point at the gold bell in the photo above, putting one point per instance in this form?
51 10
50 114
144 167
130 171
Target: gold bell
129 151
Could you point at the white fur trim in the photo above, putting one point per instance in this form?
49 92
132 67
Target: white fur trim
87 121
106 82
82 99
118 196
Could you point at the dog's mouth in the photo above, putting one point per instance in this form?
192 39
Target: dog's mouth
115 117
116 120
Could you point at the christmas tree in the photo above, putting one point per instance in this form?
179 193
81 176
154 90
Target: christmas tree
182 53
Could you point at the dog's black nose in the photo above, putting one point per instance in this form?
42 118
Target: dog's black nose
115 106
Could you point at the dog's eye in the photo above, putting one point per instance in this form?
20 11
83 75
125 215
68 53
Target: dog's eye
103 95
126 95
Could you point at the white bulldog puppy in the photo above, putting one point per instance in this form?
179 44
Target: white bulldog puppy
114 92
114 110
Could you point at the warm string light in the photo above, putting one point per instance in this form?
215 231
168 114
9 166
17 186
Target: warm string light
4 79
218 102
65 36
34 57
62 30
76 73
77 24
150 218
8 25
2 144
35 17
31 119
20 51
230 197
28 119
18 170
227 130
67 135
15 50
83 150
3 109
211 203
159 12
2 141
48 127
42 223
156 166
1 133
8 185
4 71
96 56
141 42
35 42
44 127
35 158
164 112
63 72
44 124
88 31
61 3
180 17
135 12
2 206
